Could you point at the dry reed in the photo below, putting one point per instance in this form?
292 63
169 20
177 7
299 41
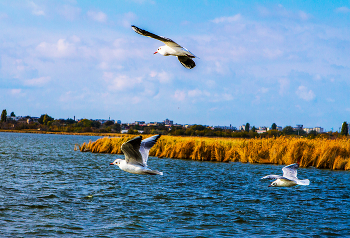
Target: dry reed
319 153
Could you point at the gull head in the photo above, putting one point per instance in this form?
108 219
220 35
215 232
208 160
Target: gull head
274 184
162 50
116 162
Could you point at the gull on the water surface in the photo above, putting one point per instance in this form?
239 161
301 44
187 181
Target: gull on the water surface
136 153
170 48
289 177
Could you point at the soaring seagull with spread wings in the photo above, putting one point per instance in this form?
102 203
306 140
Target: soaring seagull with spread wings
289 177
136 155
170 48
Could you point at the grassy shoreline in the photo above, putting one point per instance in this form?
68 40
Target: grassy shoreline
319 153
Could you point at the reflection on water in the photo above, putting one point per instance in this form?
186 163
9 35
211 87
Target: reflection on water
48 189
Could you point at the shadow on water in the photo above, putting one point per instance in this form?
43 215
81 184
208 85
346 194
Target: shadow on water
48 189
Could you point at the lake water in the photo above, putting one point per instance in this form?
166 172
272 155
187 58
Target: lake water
48 189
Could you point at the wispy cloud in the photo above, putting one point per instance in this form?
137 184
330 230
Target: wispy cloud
36 9
280 11
69 12
97 16
305 94
37 81
61 49
342 9
127 19
3 16
229 19
121 82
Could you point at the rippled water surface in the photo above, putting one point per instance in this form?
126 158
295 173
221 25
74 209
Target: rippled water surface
48 189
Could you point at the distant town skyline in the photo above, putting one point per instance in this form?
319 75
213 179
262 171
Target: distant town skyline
262 62
260 129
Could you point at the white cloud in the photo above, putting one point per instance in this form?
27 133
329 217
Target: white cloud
61 49
163 77
272 53
342 9
16 92
195 93
128 19
36 10
3 16
263 90
144 1
280 11
303 15
180 95
284 85
121 82
37 81
97 16
230 19
305 94
70 12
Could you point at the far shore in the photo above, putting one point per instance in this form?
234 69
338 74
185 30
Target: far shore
63 133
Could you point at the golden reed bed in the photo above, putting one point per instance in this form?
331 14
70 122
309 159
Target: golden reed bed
319 153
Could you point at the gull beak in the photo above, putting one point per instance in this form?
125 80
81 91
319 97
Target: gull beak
111 164
155 52
269 185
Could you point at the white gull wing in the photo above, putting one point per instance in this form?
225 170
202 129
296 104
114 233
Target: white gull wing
167 41
290 171
272 176
131 150
145 147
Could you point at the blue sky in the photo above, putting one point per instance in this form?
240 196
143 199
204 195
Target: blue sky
262 62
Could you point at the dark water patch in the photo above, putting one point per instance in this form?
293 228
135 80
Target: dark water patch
48 189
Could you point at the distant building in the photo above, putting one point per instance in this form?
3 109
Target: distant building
262 129
242 128
141 123
119 122
298 127
226 127
317 129
168 122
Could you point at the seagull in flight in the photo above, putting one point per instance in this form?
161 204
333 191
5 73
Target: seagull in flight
136 153
170 48
289 177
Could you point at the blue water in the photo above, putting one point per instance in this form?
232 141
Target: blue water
48 189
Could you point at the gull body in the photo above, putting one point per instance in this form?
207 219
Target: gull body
289 177
170 48
136 153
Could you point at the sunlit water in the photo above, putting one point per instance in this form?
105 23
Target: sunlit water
48 189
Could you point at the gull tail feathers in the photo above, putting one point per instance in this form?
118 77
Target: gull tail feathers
303 182
153 172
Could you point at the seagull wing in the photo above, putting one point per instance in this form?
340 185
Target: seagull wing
290 171
145 147
131 150
272 176
163 39
187 62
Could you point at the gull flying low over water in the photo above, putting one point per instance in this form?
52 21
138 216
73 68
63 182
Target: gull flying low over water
170 48
289 177
136 155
